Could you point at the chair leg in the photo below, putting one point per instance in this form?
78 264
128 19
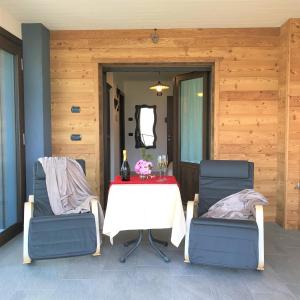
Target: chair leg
97 252
95 212
27 260
189 216
260 224
28 211
260 268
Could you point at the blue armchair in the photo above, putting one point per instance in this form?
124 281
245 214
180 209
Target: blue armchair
223 242
51 236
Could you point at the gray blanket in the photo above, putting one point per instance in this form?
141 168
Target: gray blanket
240 205
67 187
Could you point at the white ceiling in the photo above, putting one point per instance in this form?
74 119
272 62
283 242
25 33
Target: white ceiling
146 76
123 14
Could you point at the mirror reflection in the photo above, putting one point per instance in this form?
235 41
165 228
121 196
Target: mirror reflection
145 135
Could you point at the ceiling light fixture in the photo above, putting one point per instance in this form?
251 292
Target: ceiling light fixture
159 88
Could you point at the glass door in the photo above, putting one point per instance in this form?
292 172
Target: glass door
192 138
192 123
11 144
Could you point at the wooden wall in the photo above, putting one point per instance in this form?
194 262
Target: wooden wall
282 123
294 128
288 213
247 89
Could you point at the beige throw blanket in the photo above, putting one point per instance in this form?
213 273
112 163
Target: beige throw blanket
67 187
237 206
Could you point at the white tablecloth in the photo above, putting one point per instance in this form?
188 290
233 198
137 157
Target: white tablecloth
144 206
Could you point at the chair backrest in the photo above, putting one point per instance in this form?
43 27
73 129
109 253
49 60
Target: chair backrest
221 178
41 201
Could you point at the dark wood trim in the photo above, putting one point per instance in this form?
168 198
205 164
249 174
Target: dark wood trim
106 136
21 126
121 123
206 117
100 87
10 233
177 121
183 67
209 105
13 45
170 127
9 36
177 65
175 127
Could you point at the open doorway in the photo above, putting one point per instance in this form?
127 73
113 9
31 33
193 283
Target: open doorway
129 90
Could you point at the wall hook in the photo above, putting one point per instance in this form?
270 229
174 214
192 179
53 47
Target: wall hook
154 36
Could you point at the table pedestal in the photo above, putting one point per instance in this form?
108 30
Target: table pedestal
152 240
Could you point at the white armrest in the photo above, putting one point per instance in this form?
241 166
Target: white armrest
260 224
31 198
196 204
191 212
28 213
95 211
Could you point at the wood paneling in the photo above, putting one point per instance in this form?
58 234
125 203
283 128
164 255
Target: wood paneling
245 91
288 204
293 194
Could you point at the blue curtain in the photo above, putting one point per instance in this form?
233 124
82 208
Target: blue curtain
191 120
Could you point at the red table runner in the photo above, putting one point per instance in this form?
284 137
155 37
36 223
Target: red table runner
153 180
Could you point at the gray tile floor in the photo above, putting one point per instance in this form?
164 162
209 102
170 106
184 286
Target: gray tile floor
145 276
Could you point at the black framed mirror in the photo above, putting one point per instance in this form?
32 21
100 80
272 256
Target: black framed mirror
145 133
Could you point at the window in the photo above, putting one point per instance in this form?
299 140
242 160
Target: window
11 133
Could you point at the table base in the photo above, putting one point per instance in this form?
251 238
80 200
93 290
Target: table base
152 240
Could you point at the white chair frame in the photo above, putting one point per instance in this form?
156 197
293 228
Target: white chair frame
192 212
28 214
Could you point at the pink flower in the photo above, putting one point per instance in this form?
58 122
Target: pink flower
143 167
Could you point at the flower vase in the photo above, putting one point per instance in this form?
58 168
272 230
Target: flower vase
144 176
143 169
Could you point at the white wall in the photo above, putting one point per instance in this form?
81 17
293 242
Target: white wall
138 93
10 24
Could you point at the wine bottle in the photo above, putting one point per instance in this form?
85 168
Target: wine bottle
125 169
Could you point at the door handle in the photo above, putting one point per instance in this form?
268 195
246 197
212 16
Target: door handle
23 139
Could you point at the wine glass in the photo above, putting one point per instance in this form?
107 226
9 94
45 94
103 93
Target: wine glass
160 164
164 163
